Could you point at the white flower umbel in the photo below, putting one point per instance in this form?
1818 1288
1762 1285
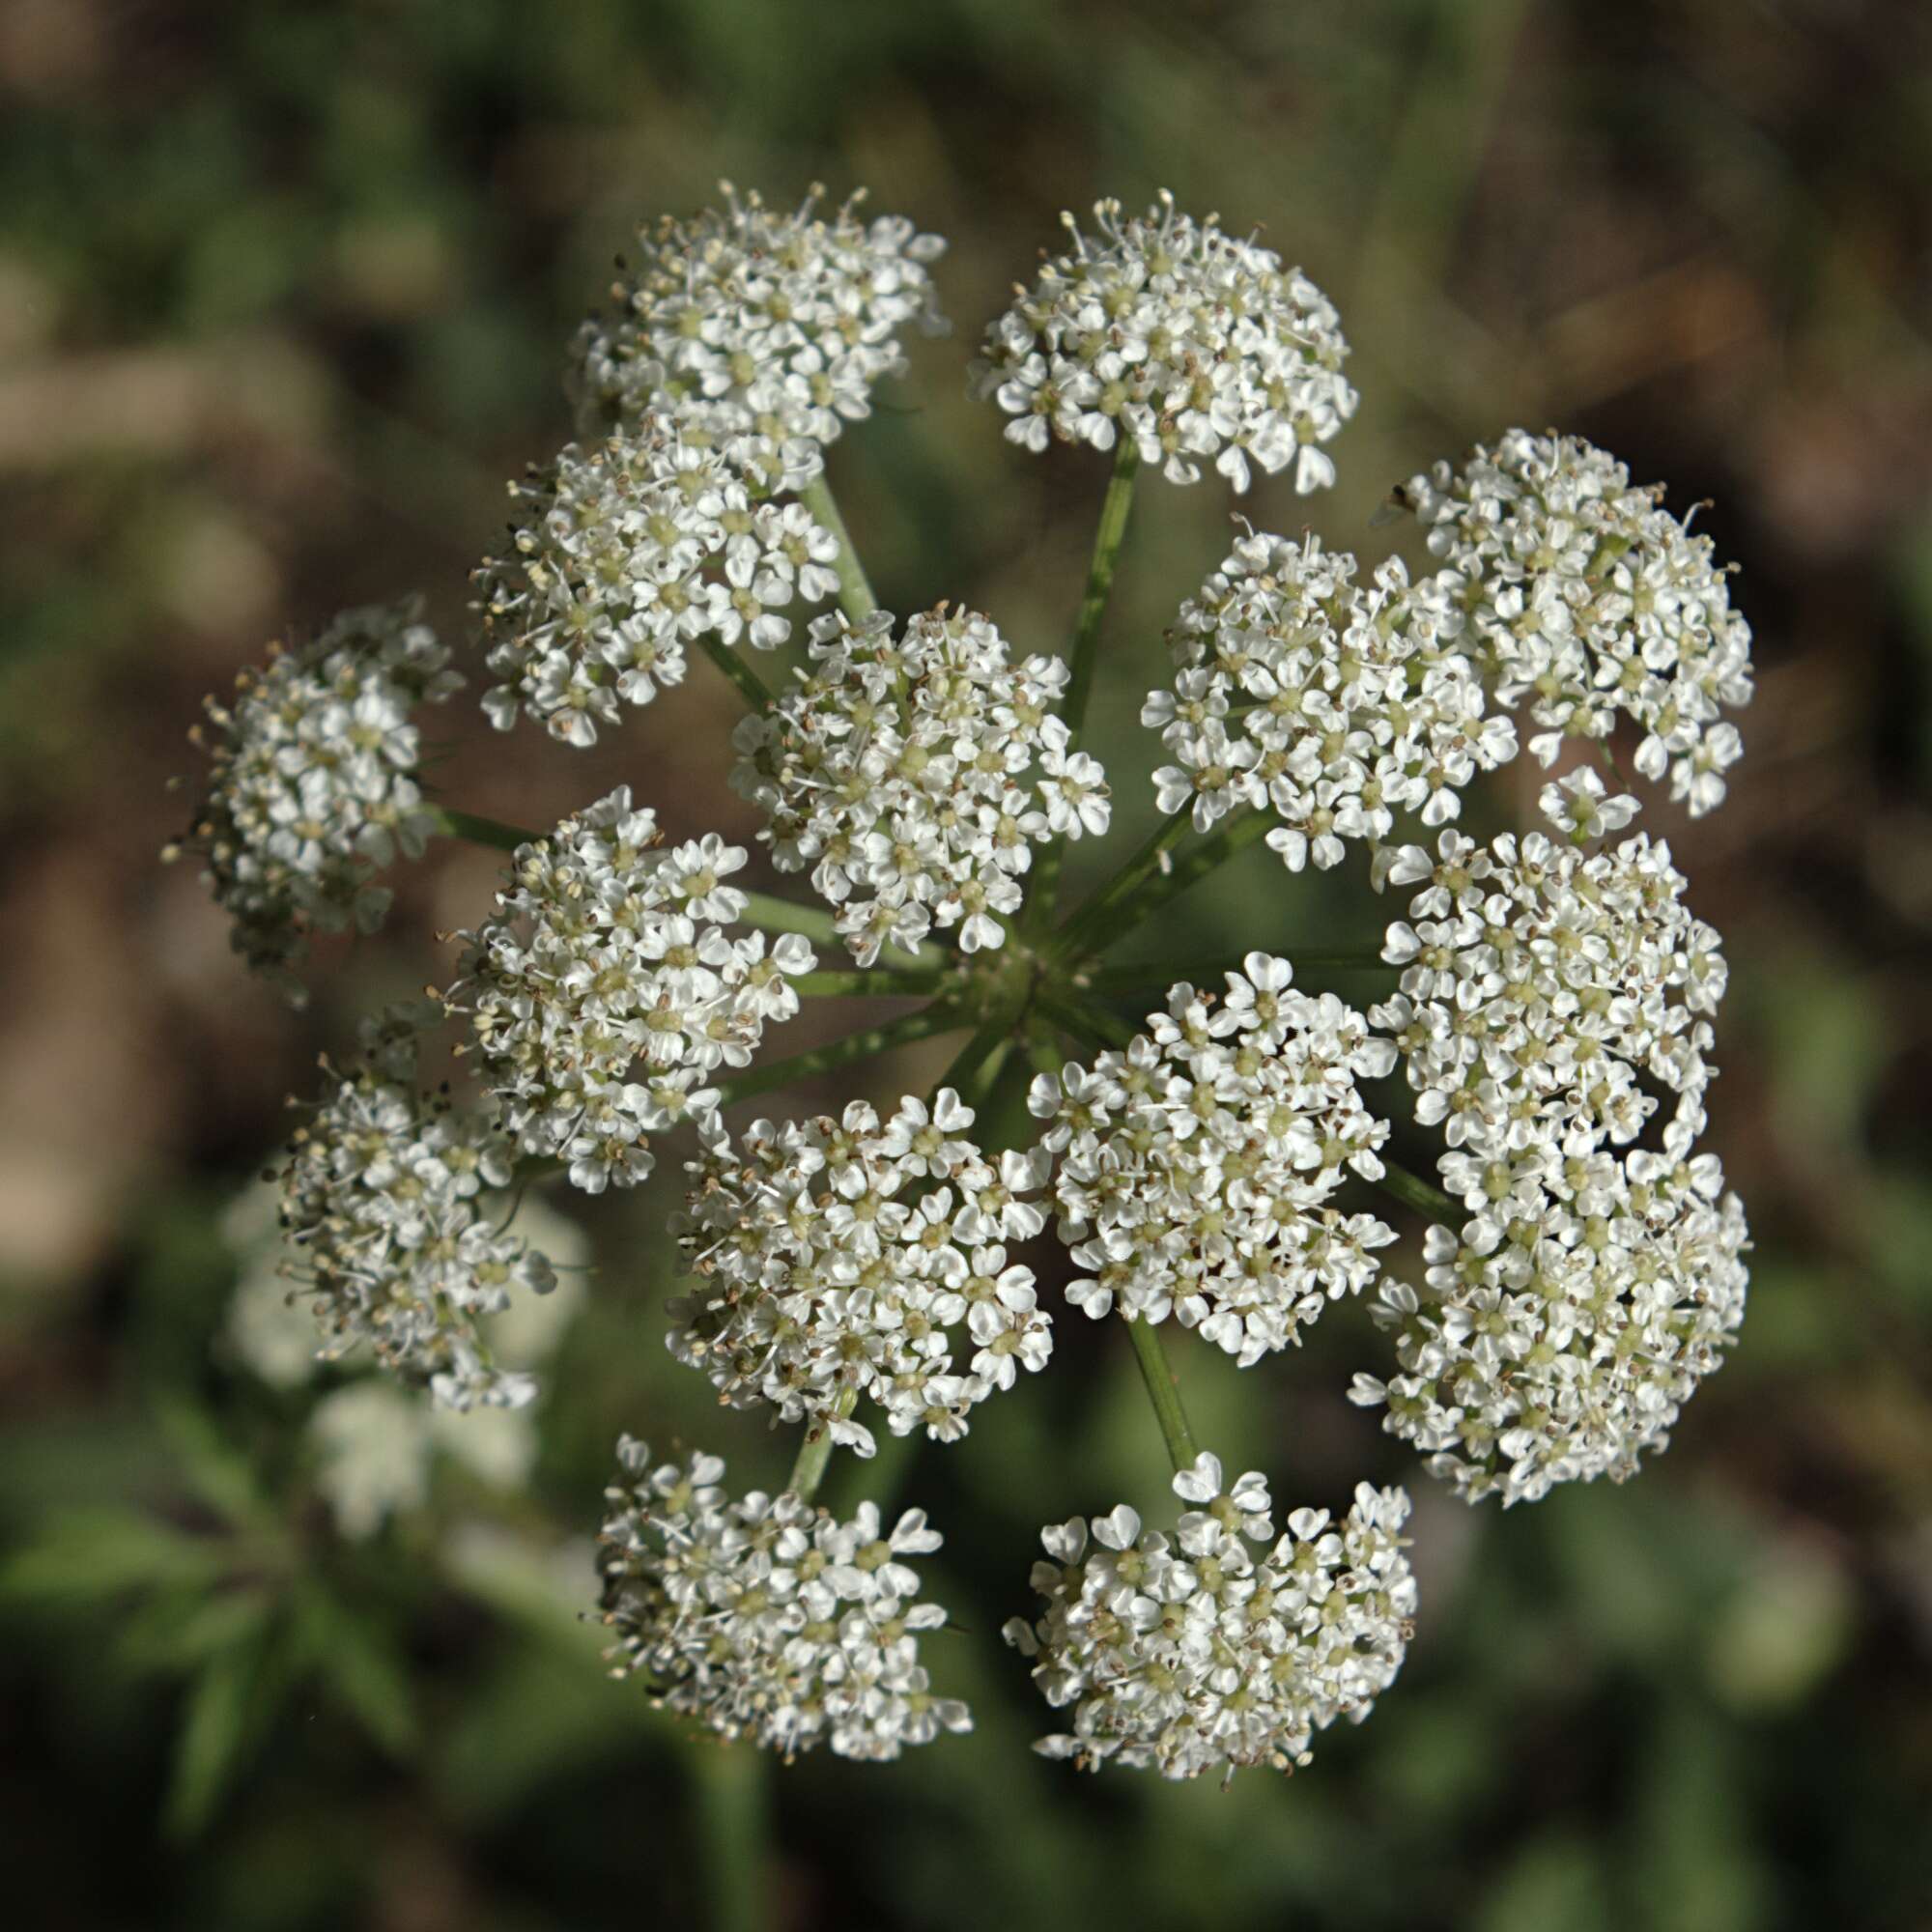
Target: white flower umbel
611 956
915 775
312 787
1585 597
622 556
389 1208
763 1618
760 326
1331 705
1559 1332
1191 342
1539 980
1193 1169
1217 1647
846 1259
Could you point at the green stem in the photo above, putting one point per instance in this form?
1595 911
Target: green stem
855 592
1164 1392
1149 974
1146 894
751 687
1072 936
976 1070
1084 656
879 981
807 1470
861 1045
731 1803
480 831
820 925
1086 1021
1424 1196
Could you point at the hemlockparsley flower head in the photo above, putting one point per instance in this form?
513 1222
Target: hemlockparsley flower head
609 955
760 326
842 1259
312 787
1332 705
1539 980
1193 1169
627 553
387 1204
1559 1333
762 1618
901 771
1209 1649
1585 596
1185 340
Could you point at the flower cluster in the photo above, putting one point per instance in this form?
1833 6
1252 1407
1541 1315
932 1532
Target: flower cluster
1559 1332
610 954
898 771
1210 1650
836 1257
1194 1168
386 1205
1332 704
312 786
1586 596
1539 980
759 329
762 1618
1171 333
623 554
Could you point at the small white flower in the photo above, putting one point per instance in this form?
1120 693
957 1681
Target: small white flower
1192 1170
765 332
390 1207
1583 595
1210 1650
840 1259
900 772
312 783
1188 340
609 990
764 1618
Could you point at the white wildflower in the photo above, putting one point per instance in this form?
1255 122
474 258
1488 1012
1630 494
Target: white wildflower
900 772
1560 1331
1538 982
621 556
1192 344
1330 705
846 1259
764 1618
607 991
312 787
1209 1649
389 1204
1586 597
764 330
1193 1169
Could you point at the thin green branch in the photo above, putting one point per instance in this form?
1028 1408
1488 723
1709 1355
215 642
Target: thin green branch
1084 655
820 925
1424 1196
733 1804
861 1045
1158 975
1073 936
855 590
478 829
1152 889
751 687
1164 1392
874 983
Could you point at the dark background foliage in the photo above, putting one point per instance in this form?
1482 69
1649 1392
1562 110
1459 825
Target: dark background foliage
283 289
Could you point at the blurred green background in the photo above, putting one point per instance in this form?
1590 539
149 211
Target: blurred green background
283 291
